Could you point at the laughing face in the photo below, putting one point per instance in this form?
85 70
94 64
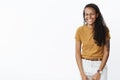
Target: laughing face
90 15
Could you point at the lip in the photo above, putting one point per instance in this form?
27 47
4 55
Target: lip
89 20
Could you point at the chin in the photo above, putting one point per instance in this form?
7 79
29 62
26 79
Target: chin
90 23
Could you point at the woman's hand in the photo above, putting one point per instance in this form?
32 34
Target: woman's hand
96 76
84 77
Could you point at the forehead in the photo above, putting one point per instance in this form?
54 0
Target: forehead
89 10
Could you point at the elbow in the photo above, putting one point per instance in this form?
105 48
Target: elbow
106 53
78 55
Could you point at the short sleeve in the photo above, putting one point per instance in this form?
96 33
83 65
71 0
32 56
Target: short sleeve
77 35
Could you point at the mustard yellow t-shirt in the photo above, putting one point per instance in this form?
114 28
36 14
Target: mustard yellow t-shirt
90 49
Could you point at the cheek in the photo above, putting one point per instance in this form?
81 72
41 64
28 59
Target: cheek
94 16
85 17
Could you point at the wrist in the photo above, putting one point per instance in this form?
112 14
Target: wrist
99 71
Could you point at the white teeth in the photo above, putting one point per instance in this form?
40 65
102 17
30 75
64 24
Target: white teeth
90 20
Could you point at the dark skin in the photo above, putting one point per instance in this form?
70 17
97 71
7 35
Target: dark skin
97 75
90 17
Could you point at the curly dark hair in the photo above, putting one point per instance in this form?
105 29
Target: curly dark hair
100 28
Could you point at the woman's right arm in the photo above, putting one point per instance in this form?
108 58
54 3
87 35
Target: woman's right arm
79 60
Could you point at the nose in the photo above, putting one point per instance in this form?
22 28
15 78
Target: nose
89 15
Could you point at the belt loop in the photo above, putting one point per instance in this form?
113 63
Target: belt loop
99 59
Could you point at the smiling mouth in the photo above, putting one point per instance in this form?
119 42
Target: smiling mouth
89 20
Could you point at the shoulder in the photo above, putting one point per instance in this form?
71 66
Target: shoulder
80 28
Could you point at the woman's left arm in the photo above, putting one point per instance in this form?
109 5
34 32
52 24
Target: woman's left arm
106 55
97 75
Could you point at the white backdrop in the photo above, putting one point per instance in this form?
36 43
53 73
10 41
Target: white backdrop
37 38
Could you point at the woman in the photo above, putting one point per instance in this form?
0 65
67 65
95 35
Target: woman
92 45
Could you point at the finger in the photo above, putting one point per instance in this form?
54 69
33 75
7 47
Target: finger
94 79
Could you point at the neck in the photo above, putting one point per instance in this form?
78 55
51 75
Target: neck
90 26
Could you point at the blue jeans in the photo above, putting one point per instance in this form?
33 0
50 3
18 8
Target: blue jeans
91 67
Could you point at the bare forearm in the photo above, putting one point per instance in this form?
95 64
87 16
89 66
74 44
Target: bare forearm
78 57
79 62
106 55
104 61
